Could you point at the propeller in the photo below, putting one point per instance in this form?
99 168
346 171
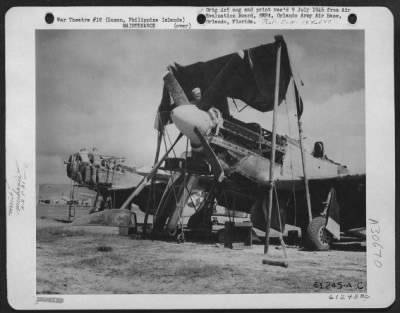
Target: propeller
193 123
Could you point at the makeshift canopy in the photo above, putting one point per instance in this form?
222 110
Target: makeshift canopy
248 75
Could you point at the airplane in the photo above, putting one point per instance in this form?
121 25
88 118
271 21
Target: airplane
112 180
230 160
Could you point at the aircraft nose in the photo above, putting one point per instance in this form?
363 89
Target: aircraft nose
187 117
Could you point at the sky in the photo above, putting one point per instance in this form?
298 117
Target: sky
102 88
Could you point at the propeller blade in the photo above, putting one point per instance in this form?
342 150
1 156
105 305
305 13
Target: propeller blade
176 91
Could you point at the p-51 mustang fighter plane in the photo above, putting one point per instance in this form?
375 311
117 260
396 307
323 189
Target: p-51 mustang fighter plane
243 166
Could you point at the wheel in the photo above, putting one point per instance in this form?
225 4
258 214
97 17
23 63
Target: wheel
318 238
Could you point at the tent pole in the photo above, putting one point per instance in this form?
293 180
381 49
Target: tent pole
151 193
304 170
146 179
272 158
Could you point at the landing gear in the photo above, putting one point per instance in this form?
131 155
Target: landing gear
94 207
318 238
180 238
72 205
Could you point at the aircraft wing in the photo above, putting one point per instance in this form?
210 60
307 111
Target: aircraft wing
134 180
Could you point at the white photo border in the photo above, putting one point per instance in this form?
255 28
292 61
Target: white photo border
21 24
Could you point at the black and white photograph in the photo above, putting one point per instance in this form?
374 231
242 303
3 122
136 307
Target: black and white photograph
229 162
167 137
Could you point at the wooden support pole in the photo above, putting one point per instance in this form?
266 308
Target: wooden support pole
146 179
304 170
272 158
150 200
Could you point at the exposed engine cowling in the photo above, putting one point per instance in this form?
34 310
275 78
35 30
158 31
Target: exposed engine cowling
91 168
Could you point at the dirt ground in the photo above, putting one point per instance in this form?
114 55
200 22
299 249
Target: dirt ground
96 260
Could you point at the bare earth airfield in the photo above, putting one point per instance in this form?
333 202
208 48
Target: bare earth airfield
96 260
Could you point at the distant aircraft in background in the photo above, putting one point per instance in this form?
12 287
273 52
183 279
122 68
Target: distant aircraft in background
112 180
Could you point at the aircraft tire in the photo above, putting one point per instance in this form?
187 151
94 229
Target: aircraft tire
318 238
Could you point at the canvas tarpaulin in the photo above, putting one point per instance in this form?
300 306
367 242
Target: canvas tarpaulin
248 76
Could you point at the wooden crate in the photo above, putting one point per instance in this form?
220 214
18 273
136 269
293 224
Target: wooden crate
237 233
